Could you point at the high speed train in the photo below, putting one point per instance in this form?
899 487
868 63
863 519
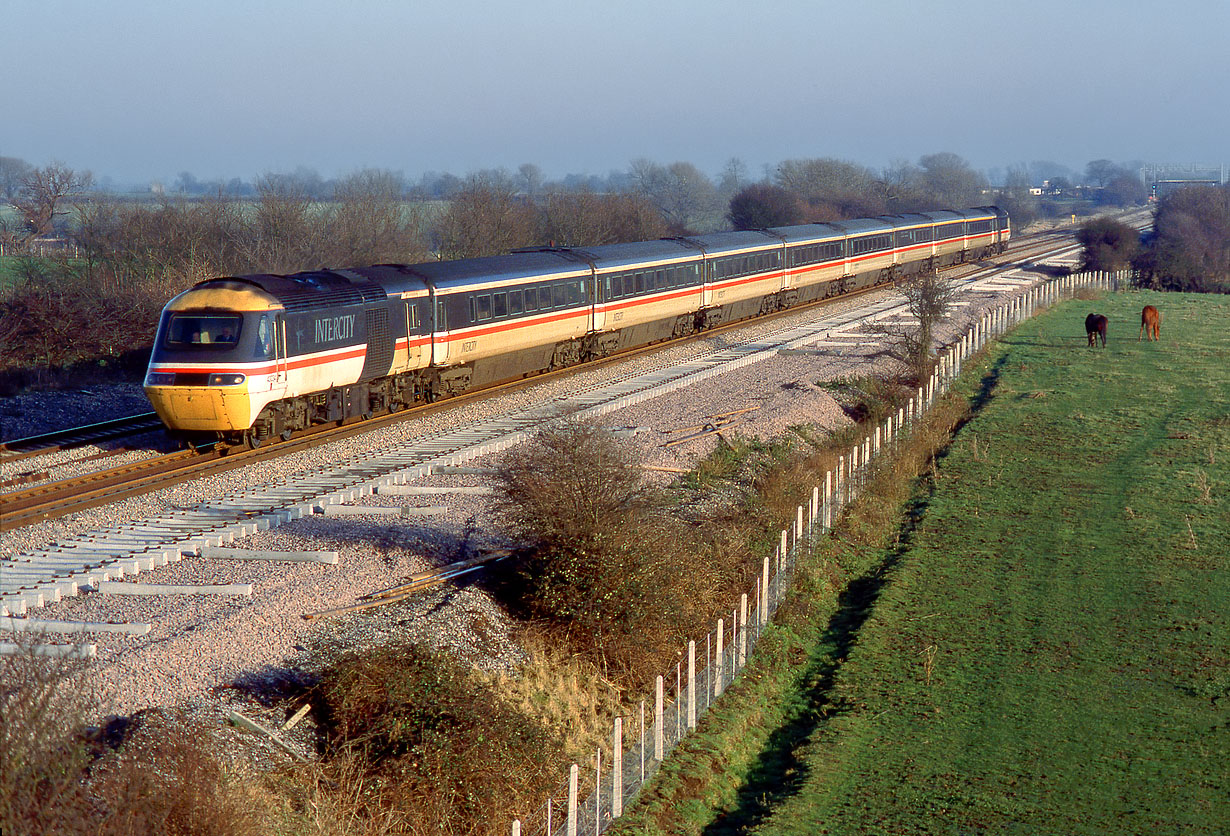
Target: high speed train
250 358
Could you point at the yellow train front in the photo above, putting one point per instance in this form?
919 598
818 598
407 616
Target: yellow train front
249 358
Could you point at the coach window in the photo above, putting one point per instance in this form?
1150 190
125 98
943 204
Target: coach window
515 302
499 304
531 299
484 307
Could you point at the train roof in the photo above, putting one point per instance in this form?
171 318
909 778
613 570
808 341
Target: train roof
498 269
617 256
863 226
807 233
943 216
722 243
313 288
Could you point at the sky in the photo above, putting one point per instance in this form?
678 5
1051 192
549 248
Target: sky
139 91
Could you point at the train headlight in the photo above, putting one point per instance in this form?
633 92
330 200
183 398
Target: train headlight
160 379
226 379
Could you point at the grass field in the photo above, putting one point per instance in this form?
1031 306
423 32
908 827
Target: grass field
1044 645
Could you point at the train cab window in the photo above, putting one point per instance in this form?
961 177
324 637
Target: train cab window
264 337
499 304
194 330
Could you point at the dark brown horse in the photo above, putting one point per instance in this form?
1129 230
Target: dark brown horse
1095 326
1150 323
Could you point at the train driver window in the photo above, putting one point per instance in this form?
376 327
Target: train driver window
264 337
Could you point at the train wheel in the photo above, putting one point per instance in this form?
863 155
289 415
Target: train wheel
251 439
286 434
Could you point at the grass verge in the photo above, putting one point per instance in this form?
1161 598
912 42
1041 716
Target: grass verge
1035 640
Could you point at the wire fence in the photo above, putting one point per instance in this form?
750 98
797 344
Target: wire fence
597 794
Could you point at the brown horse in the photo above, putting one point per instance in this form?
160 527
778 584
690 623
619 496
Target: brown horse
1095 326
1150 323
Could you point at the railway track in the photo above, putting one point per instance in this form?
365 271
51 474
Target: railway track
39 445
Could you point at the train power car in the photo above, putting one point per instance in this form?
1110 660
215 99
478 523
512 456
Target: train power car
249 358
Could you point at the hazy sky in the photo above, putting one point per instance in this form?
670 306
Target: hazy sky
144 90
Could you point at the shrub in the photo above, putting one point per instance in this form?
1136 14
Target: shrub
434 744
43 704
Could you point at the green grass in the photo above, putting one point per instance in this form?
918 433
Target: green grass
1046 649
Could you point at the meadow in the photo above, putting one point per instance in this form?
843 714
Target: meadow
1041 644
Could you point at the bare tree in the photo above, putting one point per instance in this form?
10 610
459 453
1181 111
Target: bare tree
929 297
680 191
43 193
366 225
485 218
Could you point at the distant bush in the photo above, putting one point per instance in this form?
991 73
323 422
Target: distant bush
1109 244
1190 246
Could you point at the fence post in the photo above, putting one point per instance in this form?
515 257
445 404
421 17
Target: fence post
598 792
573 775
516 829
691 684
828 500
840 479
719 660
784 548
743 629
642 741
798 526
659 719
764 586
617 766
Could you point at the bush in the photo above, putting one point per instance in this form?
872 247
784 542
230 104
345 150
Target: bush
42 758
435 746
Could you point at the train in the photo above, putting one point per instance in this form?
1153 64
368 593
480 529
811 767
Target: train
253 358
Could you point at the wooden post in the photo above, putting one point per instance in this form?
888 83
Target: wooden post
658 714
617 770
691 684
719 660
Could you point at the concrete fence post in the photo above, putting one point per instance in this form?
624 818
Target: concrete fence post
719 660
691 684
516 828
815 508
840 482
764 587
742 629
598 792
573 777
784 548
828 501
642 741
658 716
798 526
617 770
